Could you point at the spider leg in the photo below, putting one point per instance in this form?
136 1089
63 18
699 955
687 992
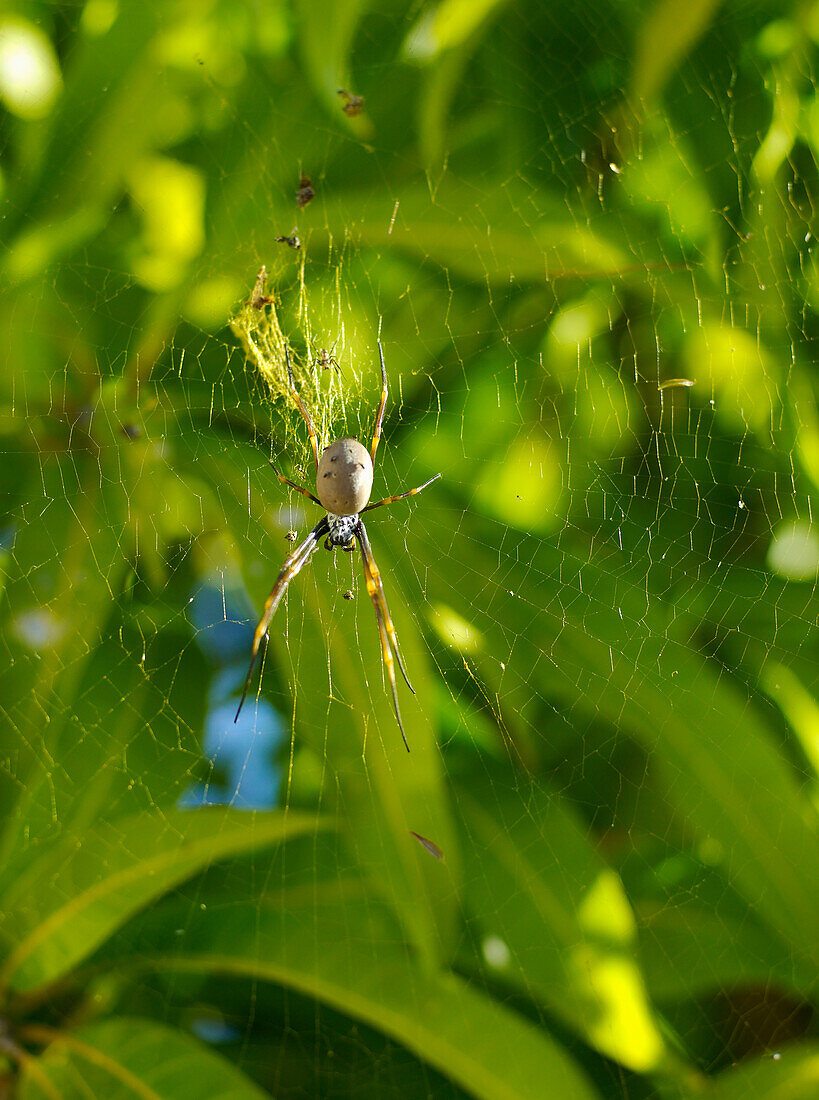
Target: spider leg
292 566
379 420
399 496
386 630
298 488
305 414
364 543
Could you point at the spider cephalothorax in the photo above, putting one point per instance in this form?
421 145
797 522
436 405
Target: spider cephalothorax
342 531
344 482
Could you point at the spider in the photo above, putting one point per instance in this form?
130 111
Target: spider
326 359
344 482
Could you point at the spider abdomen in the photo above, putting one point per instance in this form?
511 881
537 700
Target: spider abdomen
344 480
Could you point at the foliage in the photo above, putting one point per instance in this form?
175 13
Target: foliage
586 233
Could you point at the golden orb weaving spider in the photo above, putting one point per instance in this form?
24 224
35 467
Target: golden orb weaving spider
344 482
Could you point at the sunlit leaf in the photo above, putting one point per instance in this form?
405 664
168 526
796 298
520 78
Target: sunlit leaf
569 933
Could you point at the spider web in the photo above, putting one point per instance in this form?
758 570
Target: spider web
597 314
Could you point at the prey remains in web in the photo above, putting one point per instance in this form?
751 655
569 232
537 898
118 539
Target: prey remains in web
344 482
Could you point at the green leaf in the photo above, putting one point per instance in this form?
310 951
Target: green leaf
506 238
66 564
668 33
714 757
449 34
326 36
95 136
72 898
130 1057
690 949
447 26
799 707
792 1074
568 938
485 1047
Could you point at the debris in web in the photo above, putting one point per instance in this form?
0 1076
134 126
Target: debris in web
430 845
353 104
259 298
293 241
672 383
305 193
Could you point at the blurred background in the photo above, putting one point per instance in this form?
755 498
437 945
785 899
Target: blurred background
584 234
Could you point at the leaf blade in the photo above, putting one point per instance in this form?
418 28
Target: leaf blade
125 1057
482 1045
46 935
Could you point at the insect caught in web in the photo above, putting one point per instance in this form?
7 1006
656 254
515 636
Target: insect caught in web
344 482
293 241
